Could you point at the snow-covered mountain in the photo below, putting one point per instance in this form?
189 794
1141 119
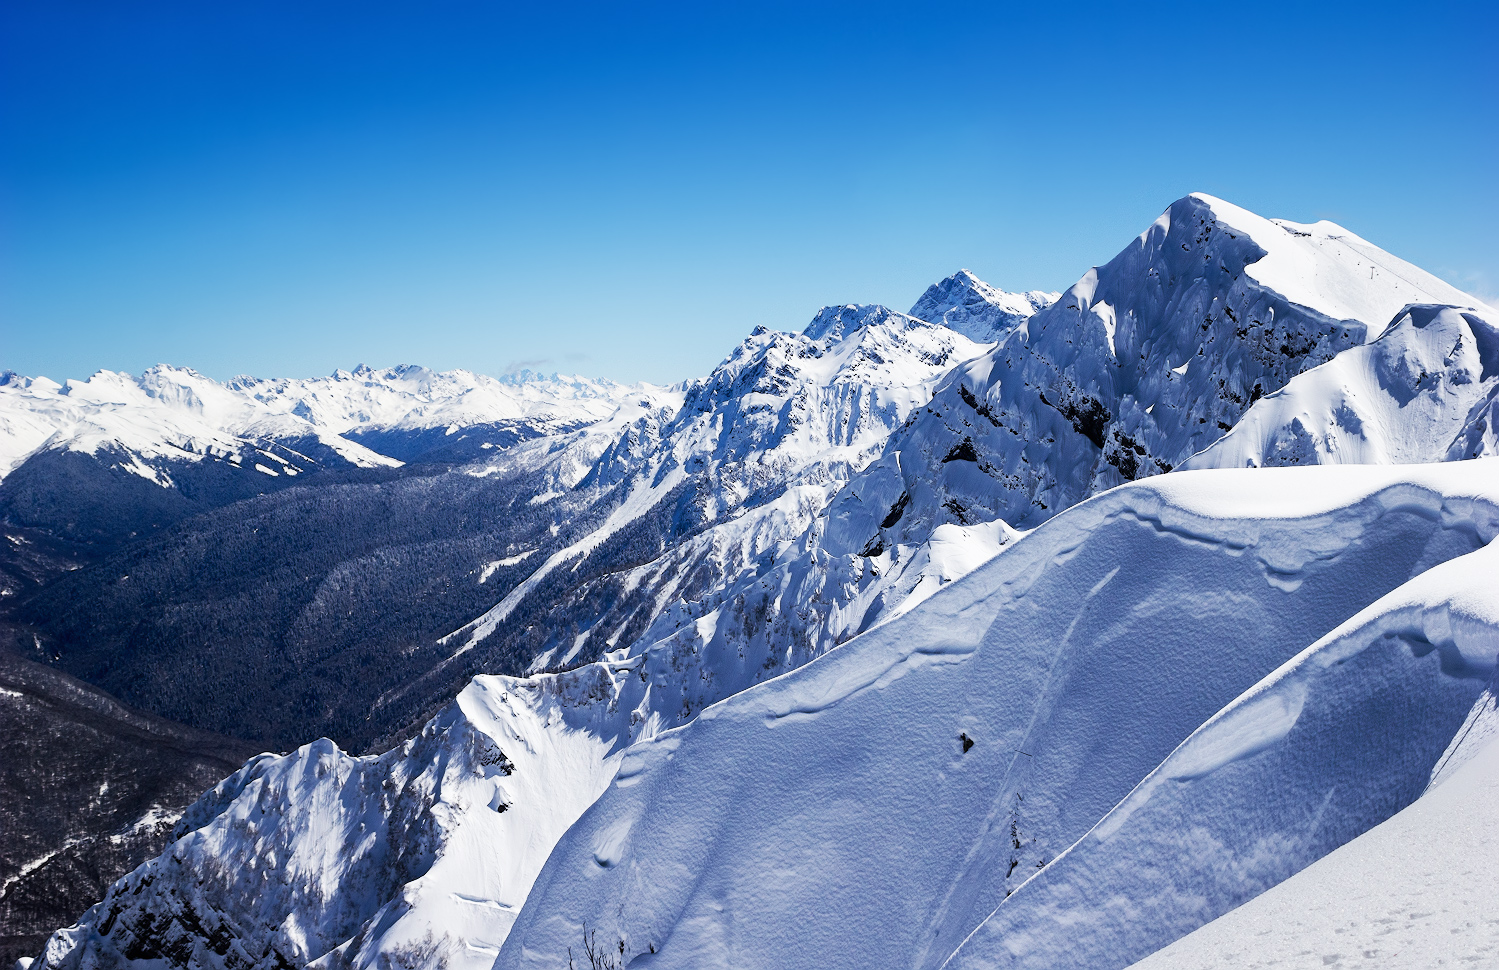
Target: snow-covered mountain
943 789
709 487
410 412
977 310
743 468
166 415
1012 668
89 789
175 414
991 453
1143 362
316 855
1423 391
94 463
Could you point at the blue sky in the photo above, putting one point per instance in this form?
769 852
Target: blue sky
627 190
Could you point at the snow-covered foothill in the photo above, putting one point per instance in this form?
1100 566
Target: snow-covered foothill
1334 742
1415 892
418 857
1420 392
874 807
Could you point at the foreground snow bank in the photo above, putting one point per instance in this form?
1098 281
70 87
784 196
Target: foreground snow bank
1331 744
1417 891
874 808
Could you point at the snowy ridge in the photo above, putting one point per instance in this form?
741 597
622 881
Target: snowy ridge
1413 892
1421 392
807 781
1341 737
1143 362
977 310
776 429
992 450
762 443
319 857
168 414
410 397
172 414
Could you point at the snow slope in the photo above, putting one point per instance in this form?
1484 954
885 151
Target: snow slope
320 856
1416 891
1342 736
840 816
1420 392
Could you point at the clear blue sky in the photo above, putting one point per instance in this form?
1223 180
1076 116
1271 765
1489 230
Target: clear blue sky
626 190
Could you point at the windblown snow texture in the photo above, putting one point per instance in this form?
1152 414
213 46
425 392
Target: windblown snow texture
836 810
1416 891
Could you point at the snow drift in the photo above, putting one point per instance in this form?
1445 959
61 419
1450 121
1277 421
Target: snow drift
1416 891
882 802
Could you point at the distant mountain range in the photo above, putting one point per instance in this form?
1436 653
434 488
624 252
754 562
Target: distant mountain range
980 635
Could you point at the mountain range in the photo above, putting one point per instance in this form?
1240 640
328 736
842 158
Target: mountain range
980 635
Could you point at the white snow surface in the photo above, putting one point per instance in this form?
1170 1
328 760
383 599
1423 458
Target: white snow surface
1415 892
831 817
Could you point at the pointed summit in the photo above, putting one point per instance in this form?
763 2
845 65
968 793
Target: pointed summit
977 310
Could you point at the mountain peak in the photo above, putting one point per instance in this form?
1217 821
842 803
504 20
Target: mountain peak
836 322
977 310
